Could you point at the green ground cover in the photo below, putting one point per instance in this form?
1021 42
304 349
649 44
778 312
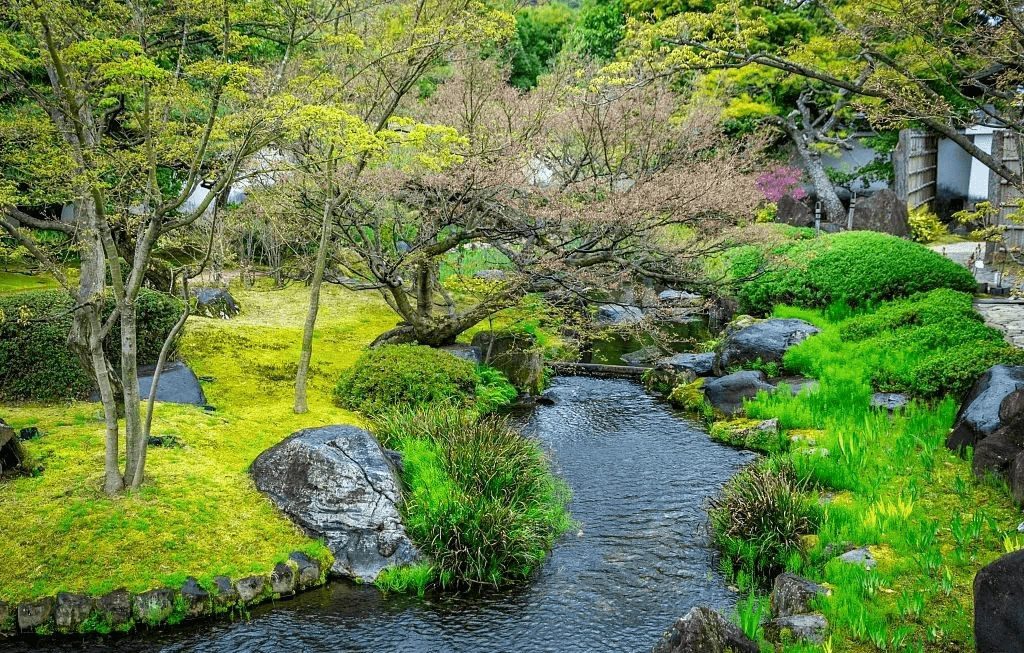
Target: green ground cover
16 281
848 475
198 513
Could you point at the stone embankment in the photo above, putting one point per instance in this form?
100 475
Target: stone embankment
121 610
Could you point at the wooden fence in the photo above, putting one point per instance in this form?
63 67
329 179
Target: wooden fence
916 163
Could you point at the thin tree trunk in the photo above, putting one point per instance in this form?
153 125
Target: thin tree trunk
301 405
135 443
823 188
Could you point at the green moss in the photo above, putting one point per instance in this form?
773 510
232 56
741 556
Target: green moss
152 537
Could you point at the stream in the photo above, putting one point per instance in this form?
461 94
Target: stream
638 559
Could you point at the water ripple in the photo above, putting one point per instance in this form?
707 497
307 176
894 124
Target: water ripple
638 559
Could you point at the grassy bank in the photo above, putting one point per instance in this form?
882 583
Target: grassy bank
858 477
198 513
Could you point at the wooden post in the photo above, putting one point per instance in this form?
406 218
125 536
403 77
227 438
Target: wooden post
817 218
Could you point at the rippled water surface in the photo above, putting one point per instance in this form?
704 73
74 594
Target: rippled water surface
638 559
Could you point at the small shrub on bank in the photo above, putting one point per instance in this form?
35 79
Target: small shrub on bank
412 376
35 360
481 500
760 516
857 268
404 376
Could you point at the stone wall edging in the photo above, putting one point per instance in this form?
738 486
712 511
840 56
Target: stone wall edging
120 610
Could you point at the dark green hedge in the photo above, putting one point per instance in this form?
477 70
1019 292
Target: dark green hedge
35 361
856 267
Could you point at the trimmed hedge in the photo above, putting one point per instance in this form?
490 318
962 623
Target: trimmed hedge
404 376
856 267
946 343
35 361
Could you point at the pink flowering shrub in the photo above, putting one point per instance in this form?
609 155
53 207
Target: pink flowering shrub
780 182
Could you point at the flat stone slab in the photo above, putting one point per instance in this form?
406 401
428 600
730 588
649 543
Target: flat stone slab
890 401
861 557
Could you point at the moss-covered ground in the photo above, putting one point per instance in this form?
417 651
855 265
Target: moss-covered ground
198 513
17 281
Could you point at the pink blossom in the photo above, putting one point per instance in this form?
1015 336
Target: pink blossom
781 182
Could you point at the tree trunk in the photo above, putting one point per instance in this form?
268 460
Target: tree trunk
86 340
135 441
831 205
301 405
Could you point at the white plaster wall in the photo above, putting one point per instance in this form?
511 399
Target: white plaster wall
954 173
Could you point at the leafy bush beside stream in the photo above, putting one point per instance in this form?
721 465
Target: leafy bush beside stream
480 499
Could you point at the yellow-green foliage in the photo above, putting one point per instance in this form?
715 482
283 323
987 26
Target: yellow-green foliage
198 512
925 226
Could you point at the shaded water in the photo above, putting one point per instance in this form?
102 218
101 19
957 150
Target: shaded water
638 559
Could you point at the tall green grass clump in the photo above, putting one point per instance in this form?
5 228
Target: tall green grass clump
412 376
759 517
480 499
857 268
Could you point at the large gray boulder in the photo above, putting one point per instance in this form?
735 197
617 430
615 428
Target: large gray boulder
794 212
982 412
703 630
728 392
11 453
792 594
767 341
699 364
178 384
882 212
998 596
618 314
338 484
215 303
995 454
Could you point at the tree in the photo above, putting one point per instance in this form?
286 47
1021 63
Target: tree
345 113
625 187
541 32
111 101
941 65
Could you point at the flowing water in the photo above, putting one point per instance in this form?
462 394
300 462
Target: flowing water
638 559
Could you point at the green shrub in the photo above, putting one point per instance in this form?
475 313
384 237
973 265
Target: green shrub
480 500
405 376
35 361
936 343
856 268
760 516
925 226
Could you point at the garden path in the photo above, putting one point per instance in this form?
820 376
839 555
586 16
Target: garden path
1007 315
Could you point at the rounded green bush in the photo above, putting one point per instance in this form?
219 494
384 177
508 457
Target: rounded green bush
405 376
35 360
855 267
